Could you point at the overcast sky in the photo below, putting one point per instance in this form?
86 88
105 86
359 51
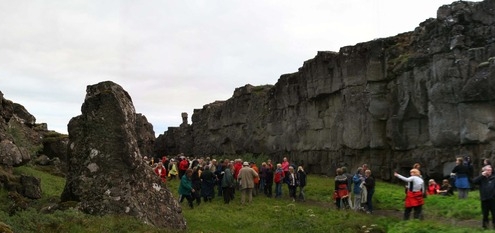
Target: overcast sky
175 56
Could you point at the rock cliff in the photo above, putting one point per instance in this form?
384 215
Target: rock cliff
106 171
424 96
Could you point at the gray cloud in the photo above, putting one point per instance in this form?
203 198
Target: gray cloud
175 56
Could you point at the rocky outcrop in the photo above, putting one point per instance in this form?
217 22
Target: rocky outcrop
19 139
424 96
145 135
176 140
107 174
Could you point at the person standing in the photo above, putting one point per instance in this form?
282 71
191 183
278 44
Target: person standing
246 181
172 167
186 189
207 184
302 182
196 183
486 181
262 173
292 183
369 183
256 179
414 196
183 166
285 168
357 179
278 179
341 194
161 172
268 182
228 184
461 172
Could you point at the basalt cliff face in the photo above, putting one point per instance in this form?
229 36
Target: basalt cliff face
424 96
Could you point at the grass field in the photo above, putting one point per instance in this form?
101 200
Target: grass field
317 214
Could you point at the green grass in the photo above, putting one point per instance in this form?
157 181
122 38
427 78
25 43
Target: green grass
51 186
317 214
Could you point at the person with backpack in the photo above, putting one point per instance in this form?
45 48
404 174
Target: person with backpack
341 193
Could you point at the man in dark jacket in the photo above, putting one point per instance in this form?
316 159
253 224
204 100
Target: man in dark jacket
486 181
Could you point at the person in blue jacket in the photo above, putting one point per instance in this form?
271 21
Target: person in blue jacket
357 179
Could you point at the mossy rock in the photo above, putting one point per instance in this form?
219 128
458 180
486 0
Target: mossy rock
67 205
4 228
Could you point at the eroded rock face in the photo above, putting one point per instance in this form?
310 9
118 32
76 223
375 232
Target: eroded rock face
20 138
106 172
424 96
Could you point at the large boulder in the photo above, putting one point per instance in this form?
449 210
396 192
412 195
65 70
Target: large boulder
106 172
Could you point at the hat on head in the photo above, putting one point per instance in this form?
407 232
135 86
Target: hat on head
245 164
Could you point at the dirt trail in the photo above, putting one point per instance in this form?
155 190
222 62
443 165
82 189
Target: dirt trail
398 214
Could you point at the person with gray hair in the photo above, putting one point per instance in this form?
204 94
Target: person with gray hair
357 179
486 181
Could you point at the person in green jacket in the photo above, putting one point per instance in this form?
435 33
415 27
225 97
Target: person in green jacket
228 184
186 189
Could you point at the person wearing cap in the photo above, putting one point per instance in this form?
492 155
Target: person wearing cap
246 181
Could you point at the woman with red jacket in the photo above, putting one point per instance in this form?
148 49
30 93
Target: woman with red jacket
183 166
161 172
414 196
433 187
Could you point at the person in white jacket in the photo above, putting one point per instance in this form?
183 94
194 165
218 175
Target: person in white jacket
414 194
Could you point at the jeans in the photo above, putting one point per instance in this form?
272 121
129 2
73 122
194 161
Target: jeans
262 185
357 201
278 189
301 194
369 203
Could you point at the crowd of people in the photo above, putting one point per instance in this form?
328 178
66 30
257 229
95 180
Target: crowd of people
361 185
201 179
461 179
